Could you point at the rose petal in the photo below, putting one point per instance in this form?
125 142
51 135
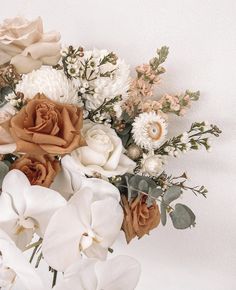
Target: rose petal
25 64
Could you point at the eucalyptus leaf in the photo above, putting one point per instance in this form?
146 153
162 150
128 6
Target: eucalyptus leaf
3 171
163 214
135 180
182 217
155 192
125 140
172 193
143 185
128 188
149 201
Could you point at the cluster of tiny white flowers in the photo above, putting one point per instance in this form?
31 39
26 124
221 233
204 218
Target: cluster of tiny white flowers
103 81
102 118
13 100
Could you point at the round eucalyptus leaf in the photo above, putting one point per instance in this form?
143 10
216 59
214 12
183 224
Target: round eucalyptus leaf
182 217
143 185
155 192
172 193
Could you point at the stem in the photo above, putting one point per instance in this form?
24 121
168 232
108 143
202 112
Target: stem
39 259
54 280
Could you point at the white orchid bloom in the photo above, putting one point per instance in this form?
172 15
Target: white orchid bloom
119 273
13 265
26 209
89 224
69 179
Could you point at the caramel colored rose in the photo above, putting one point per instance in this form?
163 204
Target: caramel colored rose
46 127
139 219
39 169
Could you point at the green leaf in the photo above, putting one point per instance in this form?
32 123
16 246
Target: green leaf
163 214
126 130
125 139
3 171
182 217
135 180
143 185
155 192
172 193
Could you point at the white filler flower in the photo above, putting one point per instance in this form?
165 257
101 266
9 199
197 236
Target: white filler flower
119 273
14 265
25 208
149 130
110 80
89 224
51 82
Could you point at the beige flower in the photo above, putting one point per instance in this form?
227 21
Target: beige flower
26 46
139 219
39 169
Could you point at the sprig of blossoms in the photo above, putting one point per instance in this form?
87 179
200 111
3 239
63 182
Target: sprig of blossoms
197 136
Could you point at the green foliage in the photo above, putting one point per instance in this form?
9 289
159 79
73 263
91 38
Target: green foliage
171 194
163 214
182 217
3 171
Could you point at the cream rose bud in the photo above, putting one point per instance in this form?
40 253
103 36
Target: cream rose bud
104 153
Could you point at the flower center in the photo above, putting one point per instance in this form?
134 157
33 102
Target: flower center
24 224
154 130
89 238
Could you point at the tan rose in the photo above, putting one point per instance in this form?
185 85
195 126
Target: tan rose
139 219
47 127
40 169
26 46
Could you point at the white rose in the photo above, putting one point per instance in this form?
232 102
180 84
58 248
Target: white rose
104 152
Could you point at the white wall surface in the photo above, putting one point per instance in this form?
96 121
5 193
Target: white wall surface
202 40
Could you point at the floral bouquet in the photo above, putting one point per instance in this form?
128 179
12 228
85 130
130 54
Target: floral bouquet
83 153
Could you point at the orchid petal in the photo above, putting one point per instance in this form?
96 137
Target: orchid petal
81 274
61 240
14 259
96 251
82 201
123 274
107 225
101 188
41 204
15 183
8 217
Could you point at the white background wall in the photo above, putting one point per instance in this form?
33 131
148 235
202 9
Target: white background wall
202 40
